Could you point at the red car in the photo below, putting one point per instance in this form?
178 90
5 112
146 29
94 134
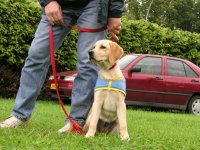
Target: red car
151 80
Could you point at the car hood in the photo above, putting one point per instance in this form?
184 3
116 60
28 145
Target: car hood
73 73
67 73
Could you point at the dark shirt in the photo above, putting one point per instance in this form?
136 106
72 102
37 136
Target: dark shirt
116 7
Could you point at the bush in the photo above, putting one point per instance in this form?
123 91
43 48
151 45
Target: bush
21 17
145 37
18 24
17 27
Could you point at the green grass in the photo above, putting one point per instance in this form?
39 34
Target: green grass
148 131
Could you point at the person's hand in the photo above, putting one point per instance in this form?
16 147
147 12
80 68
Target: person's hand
54 13
114 27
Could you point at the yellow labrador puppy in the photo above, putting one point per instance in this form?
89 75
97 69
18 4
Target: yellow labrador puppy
108 113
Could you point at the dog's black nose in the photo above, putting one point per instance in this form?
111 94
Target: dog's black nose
91 54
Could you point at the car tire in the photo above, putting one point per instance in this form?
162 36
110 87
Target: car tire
194 105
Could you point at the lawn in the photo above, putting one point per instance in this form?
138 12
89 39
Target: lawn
148 131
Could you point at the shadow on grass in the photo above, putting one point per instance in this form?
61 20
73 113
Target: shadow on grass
156 109
67 101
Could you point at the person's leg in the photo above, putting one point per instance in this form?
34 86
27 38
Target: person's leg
35 69
83 89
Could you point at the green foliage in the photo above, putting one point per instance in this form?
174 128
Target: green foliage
20 18
66 56
144 37
18 22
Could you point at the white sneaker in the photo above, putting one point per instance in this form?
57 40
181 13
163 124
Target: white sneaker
11 122
67 128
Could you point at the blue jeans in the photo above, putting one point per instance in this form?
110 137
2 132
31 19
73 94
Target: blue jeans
37 63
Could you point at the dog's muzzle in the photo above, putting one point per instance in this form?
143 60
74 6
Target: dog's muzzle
91 55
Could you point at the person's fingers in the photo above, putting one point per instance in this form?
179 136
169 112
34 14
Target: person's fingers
114 27
57 17
119 27
114 36
114 31
54 13
51 20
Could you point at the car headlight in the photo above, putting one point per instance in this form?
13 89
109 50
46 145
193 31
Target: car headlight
69 78
51 77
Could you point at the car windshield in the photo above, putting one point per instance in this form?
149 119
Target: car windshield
127 59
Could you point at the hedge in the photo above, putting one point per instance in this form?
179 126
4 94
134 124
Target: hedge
145 37
19 20
17 26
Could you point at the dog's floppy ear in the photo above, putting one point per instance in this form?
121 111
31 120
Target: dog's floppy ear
115 52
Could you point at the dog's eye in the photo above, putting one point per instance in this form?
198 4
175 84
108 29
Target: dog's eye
102 47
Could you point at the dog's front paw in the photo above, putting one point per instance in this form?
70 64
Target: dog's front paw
89 135
125 137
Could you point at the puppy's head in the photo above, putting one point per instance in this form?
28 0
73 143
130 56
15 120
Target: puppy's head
105 53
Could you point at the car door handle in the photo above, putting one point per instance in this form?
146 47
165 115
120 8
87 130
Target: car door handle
193 80
158 78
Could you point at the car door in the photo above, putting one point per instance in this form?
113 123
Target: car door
181 81
145 81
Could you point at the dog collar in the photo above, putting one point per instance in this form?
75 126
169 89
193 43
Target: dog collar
113 66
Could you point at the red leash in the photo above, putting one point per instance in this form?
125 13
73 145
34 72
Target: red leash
51 42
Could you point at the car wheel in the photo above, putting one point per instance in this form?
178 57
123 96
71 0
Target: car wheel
194 105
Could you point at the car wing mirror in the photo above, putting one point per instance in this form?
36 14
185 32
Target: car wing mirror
136 69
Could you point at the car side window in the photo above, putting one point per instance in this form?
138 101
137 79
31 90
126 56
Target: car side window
175 68
190 72
149 65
